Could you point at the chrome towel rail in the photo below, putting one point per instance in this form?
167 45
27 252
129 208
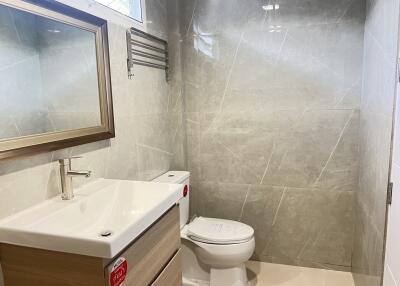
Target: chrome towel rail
146 50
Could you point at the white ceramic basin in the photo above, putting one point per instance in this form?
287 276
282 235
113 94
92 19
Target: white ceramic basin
124 208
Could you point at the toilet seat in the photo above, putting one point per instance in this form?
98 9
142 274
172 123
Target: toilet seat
219 231
224 255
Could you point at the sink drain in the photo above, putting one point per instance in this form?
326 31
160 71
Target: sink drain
106 233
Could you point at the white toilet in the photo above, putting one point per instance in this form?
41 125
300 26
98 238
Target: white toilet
214 250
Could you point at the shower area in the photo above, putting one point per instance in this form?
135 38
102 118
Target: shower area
288 117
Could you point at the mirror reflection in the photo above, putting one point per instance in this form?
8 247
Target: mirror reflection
48 71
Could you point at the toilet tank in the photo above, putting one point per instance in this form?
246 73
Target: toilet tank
179 177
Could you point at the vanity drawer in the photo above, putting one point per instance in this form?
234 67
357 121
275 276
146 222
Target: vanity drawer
172 273
149 254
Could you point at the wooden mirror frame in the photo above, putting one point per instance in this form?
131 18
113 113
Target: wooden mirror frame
45 142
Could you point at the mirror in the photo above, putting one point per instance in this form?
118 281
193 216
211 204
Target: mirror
54 69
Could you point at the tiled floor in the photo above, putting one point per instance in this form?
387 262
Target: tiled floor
267 274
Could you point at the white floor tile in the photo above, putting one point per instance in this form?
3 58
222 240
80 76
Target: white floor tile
336 278
268 274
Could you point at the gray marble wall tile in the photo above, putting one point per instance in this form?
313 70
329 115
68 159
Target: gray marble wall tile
272 92
313 226
157 17
333 242
219 200
300 13
260 210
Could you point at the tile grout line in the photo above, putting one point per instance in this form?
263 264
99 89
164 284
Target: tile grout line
334 149
154 149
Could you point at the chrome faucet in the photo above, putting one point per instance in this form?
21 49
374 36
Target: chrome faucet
67 173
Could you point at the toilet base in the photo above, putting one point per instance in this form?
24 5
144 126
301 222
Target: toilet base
235 276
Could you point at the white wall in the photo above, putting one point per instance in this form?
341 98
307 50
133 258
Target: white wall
376 116
391 276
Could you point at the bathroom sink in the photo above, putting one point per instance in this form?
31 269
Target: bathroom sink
102 219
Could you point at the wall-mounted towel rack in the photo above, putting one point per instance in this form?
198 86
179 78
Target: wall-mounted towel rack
146 50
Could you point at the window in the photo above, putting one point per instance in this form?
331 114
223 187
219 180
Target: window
130 8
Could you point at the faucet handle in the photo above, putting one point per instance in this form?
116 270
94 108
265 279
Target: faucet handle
68 161
73 158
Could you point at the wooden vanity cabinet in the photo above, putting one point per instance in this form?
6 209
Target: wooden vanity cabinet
151 259
172 273
152 251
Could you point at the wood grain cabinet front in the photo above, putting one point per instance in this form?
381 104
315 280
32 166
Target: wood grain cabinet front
172 273
151 252
151 259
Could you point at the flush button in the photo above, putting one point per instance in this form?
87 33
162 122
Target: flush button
106 233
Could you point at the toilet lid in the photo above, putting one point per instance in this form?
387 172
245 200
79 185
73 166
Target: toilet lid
219 231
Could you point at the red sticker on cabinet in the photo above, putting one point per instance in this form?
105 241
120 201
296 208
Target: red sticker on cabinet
185 191
119 272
